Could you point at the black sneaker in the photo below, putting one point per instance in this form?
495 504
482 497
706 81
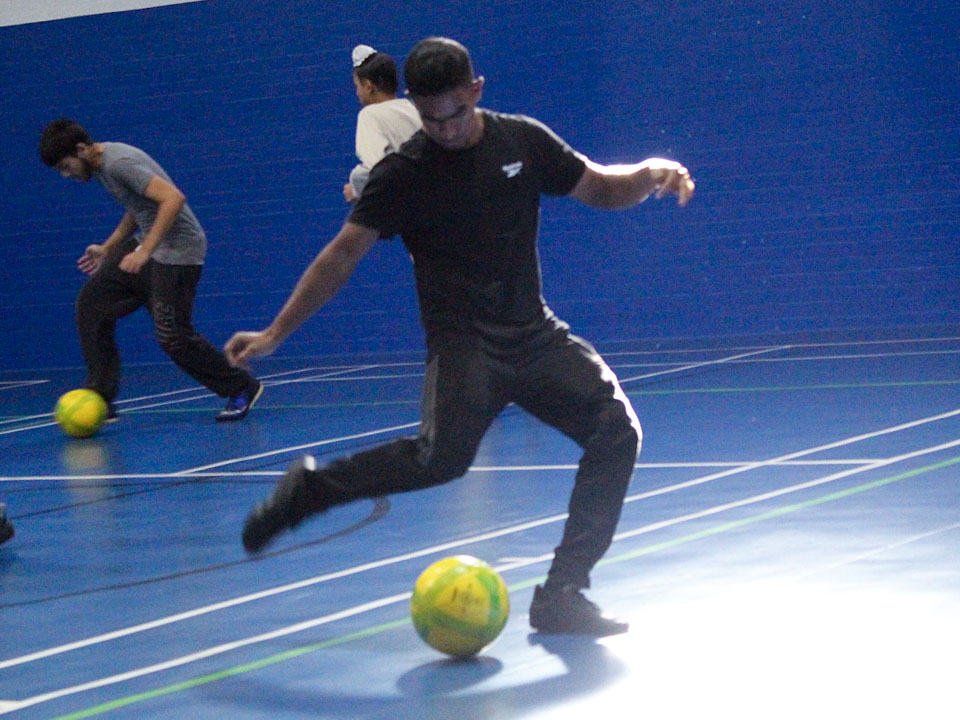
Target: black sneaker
301 492
565 610
239 405
6 528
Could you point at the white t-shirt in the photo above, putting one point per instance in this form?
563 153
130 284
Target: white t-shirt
381 128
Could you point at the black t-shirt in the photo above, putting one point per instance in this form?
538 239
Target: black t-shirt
469 219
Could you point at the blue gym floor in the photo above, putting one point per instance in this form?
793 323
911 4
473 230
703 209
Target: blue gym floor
790 547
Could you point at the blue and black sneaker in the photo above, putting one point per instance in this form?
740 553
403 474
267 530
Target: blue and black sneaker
239 405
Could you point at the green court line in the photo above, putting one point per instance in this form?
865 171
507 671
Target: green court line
777 512
377 629
230 672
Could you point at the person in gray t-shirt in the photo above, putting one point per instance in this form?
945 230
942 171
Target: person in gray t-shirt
153 258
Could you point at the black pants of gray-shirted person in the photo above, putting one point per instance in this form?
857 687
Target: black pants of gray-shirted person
167 291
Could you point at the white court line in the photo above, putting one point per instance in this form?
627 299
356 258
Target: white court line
35 426
446 546
295 448
785 491
358 377
796 577
152 396
692 366
330 375
14 384
268 381
272 383
272 591
808 358
692 464
207 394
271 453
852 343
138 476
680 486
821 448
336 370
270 376
864 343
11 706
473 468
334 376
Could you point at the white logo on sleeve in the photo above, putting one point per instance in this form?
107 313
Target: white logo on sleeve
513 169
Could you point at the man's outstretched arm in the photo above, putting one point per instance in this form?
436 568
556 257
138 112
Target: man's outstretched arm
614 187
320 281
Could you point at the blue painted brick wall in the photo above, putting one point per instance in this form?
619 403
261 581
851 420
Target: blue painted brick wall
823 137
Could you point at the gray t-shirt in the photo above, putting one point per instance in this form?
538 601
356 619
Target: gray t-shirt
125 173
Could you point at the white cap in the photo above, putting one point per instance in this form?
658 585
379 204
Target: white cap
361 53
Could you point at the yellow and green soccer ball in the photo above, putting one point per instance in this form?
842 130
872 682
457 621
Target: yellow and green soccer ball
80 412
459 605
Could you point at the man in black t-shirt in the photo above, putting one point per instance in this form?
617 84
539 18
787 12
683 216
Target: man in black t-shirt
464 194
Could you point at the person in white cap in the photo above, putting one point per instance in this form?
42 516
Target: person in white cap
385 122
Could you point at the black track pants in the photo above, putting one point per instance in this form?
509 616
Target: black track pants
564 383
167 291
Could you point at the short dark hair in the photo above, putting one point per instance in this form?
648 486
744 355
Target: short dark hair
59 140
381 70
437 65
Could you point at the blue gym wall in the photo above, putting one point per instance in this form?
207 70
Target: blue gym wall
823 137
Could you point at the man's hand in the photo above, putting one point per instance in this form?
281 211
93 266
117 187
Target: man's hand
245 345
348 194
134 261
90 261
672 178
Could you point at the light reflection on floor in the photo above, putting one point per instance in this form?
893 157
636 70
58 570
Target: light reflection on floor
809 650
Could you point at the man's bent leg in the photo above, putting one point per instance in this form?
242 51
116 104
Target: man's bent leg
461 397
172 290
307 489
